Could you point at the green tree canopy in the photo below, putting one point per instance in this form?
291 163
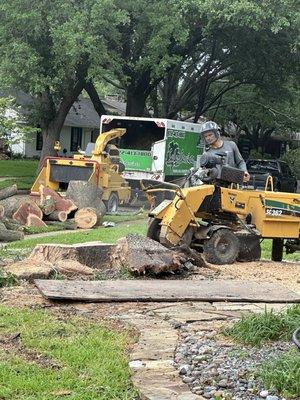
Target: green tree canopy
238 43
51 51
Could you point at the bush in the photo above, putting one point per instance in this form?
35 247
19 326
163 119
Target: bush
293 159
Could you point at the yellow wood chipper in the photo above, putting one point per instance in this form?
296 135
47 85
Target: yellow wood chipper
100 164
225 221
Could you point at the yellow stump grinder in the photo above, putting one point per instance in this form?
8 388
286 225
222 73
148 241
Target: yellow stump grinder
224 220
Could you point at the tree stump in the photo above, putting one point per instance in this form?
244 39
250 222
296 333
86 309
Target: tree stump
141 255
86 218
1 211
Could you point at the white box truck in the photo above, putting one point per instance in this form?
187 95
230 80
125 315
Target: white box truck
155 148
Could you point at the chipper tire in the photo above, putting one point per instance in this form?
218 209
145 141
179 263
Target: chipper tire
112 204
154 227
250 249
221 248
277 249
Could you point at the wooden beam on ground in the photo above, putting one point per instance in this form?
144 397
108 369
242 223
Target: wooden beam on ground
166 290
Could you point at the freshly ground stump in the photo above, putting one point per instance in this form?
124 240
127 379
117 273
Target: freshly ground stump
141 255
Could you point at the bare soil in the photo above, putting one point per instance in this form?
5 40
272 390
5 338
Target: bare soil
285 273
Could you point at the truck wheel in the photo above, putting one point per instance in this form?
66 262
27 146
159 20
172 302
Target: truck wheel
277 249
112 204
221 248
250 249
154 229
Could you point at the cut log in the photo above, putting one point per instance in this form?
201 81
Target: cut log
12 225
11 204
69 224
47 205
29 207
58 216
9 236
34 220
86 194
86 218
8 192
1 212
61 203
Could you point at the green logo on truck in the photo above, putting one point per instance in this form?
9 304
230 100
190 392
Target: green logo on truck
181 151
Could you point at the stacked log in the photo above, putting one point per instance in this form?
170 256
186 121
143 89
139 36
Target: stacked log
88 198
82 207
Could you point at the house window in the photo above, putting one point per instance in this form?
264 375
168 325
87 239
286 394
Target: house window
76 138
39 141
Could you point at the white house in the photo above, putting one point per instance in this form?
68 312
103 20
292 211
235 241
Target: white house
81 126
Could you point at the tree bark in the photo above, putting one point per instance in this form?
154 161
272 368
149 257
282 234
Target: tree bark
68 225
84 194
8 192
10 236
136 102
98 105
52 118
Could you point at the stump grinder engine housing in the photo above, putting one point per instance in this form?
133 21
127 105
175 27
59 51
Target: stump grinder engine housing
103 168
223 220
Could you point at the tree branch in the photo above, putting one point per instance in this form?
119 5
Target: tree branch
92 92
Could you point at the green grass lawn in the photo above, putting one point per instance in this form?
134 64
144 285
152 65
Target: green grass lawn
57 358
266 250
108 235
16 168
19 172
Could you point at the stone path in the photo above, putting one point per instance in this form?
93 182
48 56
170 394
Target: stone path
151 361
154 372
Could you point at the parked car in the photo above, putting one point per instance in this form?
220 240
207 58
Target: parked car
283 179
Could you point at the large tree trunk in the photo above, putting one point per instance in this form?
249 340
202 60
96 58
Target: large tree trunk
52 117
136 101
50 136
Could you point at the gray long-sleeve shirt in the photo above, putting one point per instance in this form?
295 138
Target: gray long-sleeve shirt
234 158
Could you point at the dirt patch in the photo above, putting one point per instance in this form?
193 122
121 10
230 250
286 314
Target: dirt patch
12 346
285 273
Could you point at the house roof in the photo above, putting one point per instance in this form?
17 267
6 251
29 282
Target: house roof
114 106
82 113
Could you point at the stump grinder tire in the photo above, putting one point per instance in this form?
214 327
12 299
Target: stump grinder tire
277 249
154 229
250 249
221 248
112 204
